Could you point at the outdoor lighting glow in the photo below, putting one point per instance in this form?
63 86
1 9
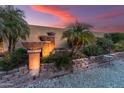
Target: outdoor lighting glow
34 61
34 50
47 49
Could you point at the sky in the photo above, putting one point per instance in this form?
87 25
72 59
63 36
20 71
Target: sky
104 18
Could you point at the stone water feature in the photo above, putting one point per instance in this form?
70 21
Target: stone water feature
49 43
45 47
34 49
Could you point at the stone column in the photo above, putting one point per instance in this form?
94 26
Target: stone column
51 37
46 49
34 62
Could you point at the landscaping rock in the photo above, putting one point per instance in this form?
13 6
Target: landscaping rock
7 77
13 71
6 85
2 81
15 78
17 74
2 73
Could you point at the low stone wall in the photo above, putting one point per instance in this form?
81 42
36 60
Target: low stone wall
78 64
83 63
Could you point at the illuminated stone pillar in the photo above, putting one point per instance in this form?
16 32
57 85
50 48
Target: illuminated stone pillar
46 48
34 62
34 49
51 37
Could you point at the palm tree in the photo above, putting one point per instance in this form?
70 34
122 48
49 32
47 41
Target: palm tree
15 26
79 35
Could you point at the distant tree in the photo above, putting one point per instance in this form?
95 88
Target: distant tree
79 34
115 37
14 25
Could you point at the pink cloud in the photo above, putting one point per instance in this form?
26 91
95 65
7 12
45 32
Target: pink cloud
116 28
118 11
63 15
109 15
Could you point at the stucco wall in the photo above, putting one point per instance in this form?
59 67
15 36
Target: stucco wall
36 31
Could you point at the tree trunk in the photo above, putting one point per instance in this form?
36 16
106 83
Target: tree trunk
13 46
75 49
10 45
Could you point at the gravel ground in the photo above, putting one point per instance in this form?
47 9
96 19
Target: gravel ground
108 76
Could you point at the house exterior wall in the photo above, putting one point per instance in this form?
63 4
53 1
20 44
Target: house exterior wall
36 31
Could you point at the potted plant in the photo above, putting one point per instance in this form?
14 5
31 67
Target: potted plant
43 38
50 33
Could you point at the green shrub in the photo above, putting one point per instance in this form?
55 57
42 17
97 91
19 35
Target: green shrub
78 54
118 47
8 62
92 50
115 37
21 55
105 44
61 60
14 59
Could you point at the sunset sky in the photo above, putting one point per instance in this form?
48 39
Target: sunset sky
103 18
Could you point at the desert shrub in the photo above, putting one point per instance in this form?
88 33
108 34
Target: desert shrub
78 54
61 60
14 59
118 47
8 62
92 50
105 44
21 55
115 37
